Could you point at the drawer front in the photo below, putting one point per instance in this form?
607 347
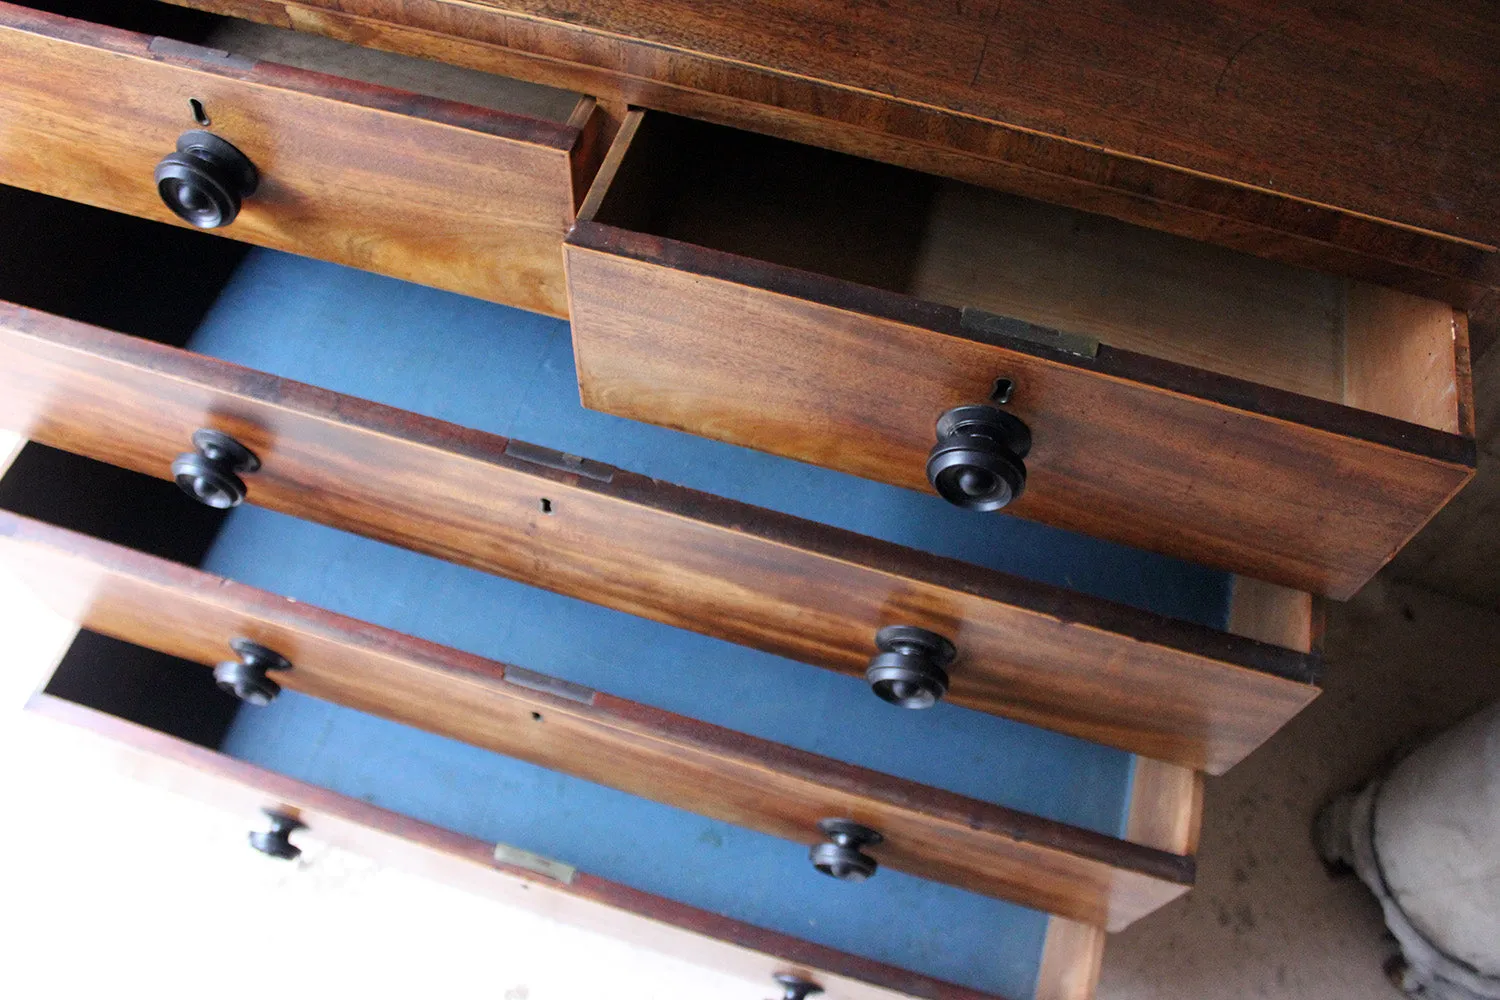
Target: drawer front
716 772
657 925
1212 468
458 197
1167 689
706 74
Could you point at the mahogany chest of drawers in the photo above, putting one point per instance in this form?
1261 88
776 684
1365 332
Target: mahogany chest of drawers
669 677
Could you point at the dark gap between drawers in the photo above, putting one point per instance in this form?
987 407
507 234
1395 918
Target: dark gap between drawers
108 269
145 16
144 513
253 41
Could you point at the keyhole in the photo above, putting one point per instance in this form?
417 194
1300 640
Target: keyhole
199 115
1003 390
546 505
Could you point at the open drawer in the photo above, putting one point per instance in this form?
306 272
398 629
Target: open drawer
314 755
448 177
1117 646
536 904
733 776
1179 397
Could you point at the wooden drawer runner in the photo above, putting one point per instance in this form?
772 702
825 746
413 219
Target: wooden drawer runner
716 772
1243 414
744 953
466 198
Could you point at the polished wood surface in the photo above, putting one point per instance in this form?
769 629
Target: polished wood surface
1040 654
389 838
1298 491
1359 142
464 198
658 755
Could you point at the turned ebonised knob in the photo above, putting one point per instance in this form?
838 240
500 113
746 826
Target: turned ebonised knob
276 842
910 669
841 857
246 678
205 180
794 987
976 462
210 474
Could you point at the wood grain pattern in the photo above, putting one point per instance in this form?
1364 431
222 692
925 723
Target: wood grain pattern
1398 353
955 244
1092 107
1136 290
1040 654
1278 615
590 902
1166 806
468 199
1071 961
1302 492
704 768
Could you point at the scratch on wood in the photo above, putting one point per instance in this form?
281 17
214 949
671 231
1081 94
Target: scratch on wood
1224 73
979 67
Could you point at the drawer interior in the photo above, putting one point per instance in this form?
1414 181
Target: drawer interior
960 750
929 928
944 241
323 55
510 372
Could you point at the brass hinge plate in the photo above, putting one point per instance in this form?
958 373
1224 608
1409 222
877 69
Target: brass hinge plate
989 327
561 461
533 681
519 858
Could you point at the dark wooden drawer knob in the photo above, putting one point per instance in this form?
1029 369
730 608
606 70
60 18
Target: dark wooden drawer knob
276 840
210 473
204 181
794 987
841 856
976 462
246 678
911 668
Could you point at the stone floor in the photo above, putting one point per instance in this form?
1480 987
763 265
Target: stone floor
1264 921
